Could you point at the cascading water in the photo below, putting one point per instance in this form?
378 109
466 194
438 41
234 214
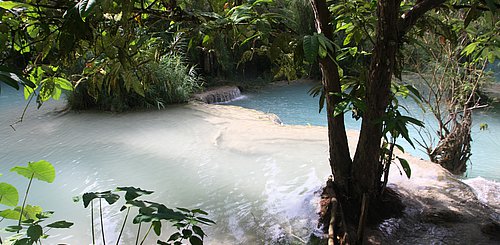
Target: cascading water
219 95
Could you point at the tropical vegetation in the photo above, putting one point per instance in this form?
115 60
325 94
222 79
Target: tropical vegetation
118 55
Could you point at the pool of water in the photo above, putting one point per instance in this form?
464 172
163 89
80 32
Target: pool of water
257 194
294 106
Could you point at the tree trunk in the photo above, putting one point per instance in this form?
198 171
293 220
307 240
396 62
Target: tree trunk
360 179
340 159
367 168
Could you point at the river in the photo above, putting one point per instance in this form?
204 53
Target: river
257 179
294 106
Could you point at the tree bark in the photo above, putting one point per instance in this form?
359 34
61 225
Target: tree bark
366 164
340 159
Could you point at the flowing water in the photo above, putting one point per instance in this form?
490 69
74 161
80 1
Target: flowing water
256 193
257 179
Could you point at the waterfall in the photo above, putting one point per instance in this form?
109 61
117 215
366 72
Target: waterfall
219 95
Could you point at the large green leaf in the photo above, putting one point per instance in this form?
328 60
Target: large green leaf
41 170
311 47
34 232
11 214
63 83
8 195
30 212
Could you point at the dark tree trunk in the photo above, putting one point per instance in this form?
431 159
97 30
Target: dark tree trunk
340 159
358 181
367 168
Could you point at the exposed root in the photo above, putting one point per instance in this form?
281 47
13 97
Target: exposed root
332 218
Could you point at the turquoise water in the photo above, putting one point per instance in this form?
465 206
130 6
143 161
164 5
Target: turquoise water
293 105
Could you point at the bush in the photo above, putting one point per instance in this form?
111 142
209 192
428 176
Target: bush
174 81
112 86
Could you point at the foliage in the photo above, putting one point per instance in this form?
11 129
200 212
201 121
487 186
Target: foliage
30 219
452 70
23 30
186 221
175 81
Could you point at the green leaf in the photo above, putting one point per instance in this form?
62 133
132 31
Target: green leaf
472 14
157 227
406 166
198 231
469 48
85 7
206 39
30 212
107 195
205 220
174 237
187 233
11 214
311 47
13 78
62 224
132 193
7 79
23 241
27 92
56 93
44 215
63 83
199 211
8 195
347 39
13 4
41 170
34 232
321 102
194 240
13 228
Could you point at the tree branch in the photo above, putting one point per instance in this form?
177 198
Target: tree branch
409 18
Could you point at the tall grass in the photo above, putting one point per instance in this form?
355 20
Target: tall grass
174 81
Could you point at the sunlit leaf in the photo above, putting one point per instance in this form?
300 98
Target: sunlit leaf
8 195
11 214
41 170
13 4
